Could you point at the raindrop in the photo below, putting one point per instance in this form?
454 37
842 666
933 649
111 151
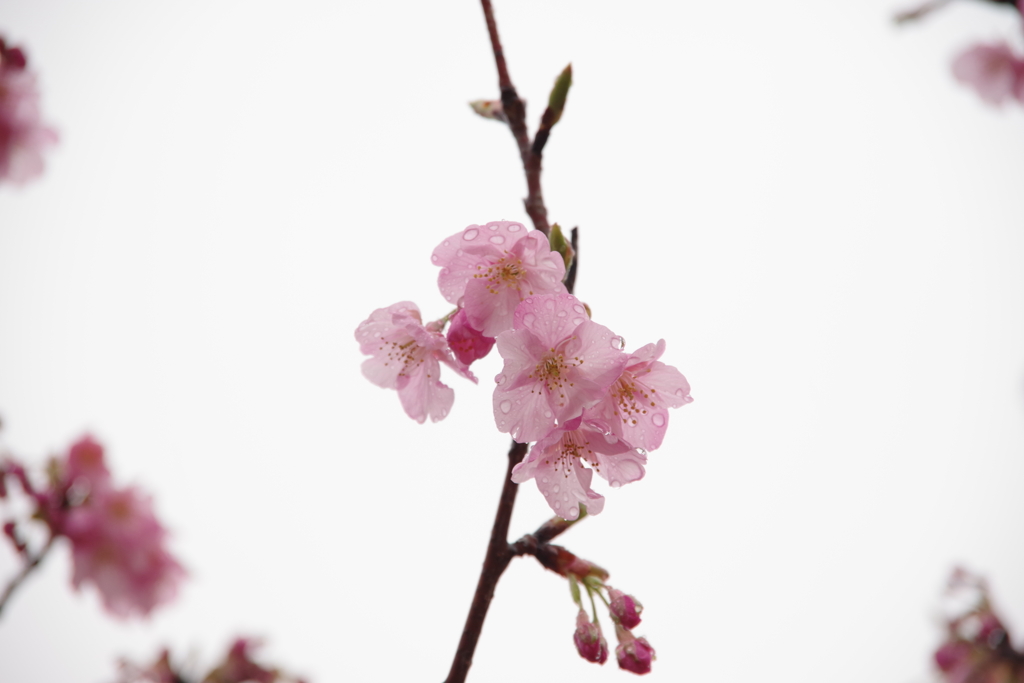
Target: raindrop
544 480
445 270
529 318
557 488
514 227
618 343
658 419
579 309
561 314
557 505
435 258
616 484
565 497
547 414
642 452
470 234
577 321
459 252
550 304
680 393
444 412
500 379
493 226
497 239
505 406
529 300
447 243
573 512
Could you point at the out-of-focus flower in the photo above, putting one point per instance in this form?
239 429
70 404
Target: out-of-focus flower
557 363
634 654
159 671
466 343
590 643
119 546
488 269
977 648
636 405
406 356
23 136
994 71
239 666
625 608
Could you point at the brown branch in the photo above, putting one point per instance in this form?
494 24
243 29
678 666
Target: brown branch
499 554
516 114
30 565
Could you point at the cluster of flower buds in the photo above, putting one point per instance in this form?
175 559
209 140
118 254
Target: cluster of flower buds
567 383
633 654
117 543
993 70
23 136
238 666
977 648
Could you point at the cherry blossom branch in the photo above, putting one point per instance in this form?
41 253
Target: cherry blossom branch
515 111
30 565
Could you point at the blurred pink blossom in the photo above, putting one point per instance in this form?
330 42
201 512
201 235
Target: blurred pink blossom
557 363
23 136
993 71
488 269
119 546
406 356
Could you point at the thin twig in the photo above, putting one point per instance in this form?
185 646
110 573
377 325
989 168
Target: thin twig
516 113
30 565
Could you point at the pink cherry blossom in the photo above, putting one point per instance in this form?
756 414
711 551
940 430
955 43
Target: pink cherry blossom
993 71
489 269
557 363
558 464
85 464
636 406
406 357
23 136
467 344
118 545
590 643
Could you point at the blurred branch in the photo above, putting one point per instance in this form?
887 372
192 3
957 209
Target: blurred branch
31 563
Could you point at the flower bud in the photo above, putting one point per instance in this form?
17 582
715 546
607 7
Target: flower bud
589 642
466 343
625 608
634 654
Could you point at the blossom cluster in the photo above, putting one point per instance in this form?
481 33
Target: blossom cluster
567 384
23 136
977 647
633 654
117 543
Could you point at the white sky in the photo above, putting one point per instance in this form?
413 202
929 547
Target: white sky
797 196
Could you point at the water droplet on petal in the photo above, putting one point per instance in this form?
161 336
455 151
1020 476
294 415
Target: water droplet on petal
618 343
557 505
529 319
497 239
616 484
492 227
549 304
544 480
500 379
573 511
514 227
547 414
447 243
561 314
658 419
642 452
505 406
577 321
445 270
435 258
565 497
459 252
680 393
557 488
579 309
470 234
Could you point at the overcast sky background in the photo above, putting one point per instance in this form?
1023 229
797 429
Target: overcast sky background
823 225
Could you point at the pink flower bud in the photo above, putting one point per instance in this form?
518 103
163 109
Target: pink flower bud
589 642
85 462
634 654
467 343
625 608
952 655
